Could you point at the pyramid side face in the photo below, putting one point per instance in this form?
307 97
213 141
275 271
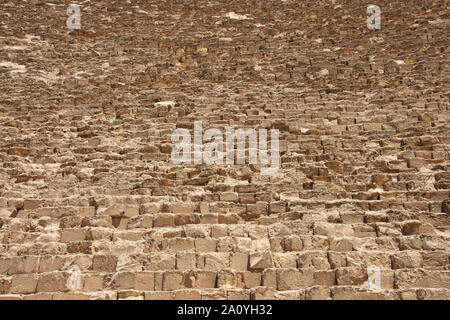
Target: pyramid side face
277 150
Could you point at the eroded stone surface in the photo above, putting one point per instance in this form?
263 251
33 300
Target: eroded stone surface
86 177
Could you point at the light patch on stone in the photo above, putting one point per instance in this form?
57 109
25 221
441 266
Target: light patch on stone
376 40
16 68
77 74
14 47
437 21
235 16
324 72
165 104
30 37
260 244
48 77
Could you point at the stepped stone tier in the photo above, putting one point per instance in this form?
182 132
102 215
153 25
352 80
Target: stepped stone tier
93 207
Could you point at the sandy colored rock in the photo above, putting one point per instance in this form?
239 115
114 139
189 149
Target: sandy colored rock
91 190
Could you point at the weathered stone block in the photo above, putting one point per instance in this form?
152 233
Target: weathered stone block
260 261
52 282
24 283
105 263
172 280
239 261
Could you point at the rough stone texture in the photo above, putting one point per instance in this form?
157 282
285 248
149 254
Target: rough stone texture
86 178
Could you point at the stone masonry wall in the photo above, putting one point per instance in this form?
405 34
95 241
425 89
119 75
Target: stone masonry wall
87 180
